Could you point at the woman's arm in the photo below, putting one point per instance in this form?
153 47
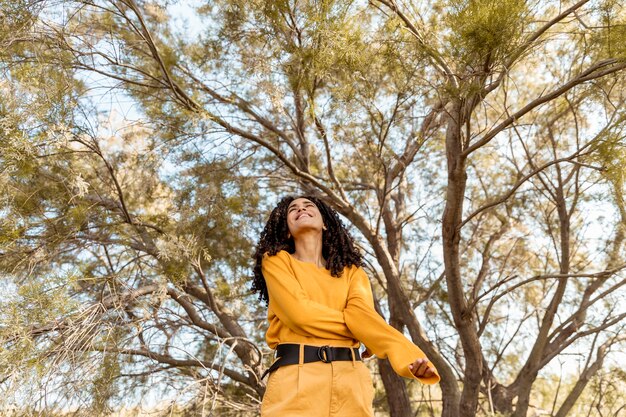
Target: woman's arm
380 338
293 307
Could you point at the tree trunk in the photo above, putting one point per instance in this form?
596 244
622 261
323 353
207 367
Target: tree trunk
395 388
500 396
448 383
452 217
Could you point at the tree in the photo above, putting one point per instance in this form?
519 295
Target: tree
396 114
107 250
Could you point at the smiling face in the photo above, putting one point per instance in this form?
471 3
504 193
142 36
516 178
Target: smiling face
303 215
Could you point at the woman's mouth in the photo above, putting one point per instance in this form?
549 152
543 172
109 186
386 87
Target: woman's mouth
303 214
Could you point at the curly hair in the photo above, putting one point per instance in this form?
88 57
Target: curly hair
337 245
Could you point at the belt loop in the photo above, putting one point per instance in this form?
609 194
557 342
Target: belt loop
353 357
300 365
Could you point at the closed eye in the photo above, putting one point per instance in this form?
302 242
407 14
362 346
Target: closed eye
305 205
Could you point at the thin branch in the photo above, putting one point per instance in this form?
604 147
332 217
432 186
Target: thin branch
166 359
329 161
194 316
521 182
591 73
435 57
109 302
600 274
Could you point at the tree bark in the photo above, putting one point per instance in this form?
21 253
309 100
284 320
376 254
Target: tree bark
395 388
451 221
500 397
448 383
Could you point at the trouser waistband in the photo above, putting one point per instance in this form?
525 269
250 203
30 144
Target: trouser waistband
289 354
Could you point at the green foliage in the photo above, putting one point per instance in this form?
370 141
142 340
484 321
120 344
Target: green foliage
15 18
610 154
485 32
104 386
610 37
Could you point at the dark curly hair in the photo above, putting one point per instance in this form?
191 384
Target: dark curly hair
337 245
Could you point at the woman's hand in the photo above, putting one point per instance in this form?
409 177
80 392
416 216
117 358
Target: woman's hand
421 369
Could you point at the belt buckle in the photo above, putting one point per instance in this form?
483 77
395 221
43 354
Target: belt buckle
325 354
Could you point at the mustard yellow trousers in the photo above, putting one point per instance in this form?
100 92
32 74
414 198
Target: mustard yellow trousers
318 389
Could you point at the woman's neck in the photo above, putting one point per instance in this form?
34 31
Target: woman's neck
309 249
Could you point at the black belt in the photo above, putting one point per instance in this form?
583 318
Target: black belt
289 354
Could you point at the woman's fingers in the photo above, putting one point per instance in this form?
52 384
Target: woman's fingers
418 367
421 369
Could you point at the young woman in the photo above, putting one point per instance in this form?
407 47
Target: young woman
320 309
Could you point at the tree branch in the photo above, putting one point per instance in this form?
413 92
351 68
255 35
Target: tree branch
587 75
435 57
169 360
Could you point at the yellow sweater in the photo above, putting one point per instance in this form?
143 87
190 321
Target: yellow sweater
310 306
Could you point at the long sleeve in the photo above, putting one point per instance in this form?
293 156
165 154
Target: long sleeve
380 338
294 308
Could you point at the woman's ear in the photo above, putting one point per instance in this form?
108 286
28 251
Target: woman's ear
324 227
